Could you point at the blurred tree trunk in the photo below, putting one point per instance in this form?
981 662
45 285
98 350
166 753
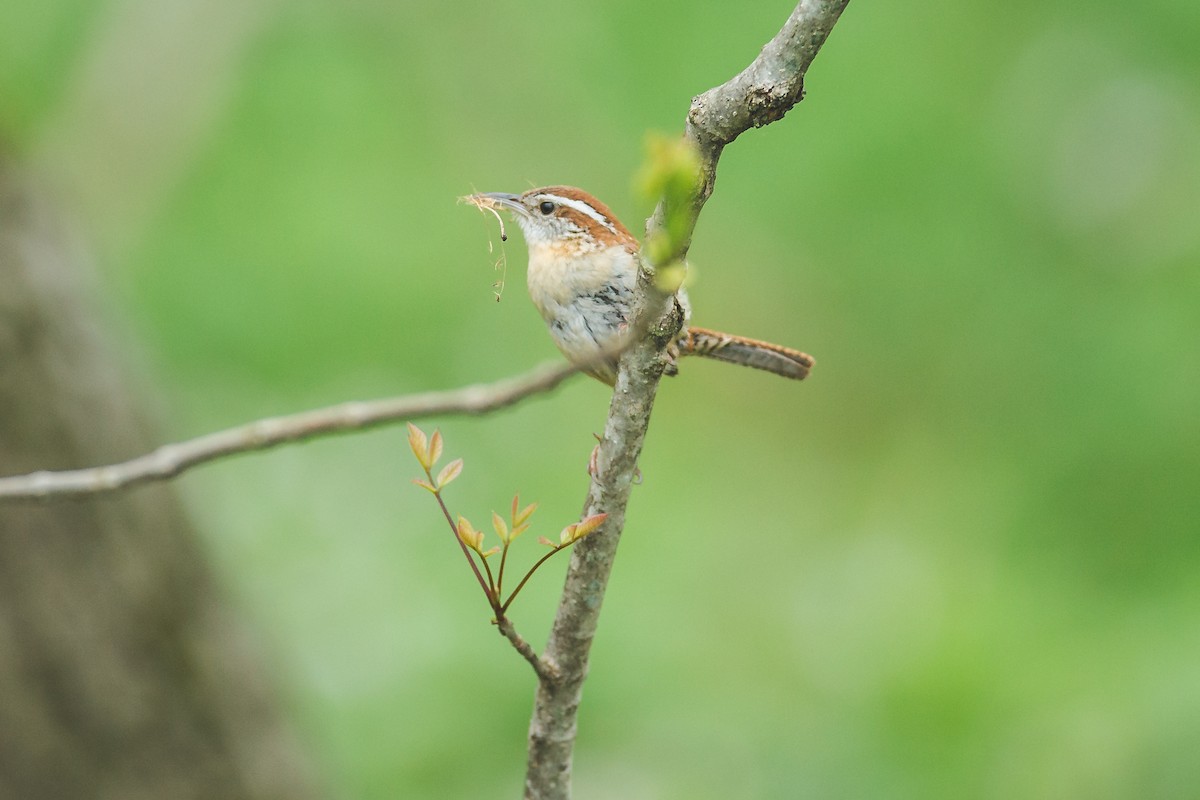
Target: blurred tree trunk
122 673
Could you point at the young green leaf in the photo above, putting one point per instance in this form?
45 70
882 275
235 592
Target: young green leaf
671 174
435 447
424 484
449 472
500 528
468 535
420 445
521 517
668 279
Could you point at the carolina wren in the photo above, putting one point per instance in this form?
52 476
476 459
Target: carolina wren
582 269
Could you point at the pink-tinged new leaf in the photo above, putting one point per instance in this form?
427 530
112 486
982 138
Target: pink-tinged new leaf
545 541
589 525
500 528
568 534
449 472
424 484
516 504
517 531
435 447
420 445
523 516
490 552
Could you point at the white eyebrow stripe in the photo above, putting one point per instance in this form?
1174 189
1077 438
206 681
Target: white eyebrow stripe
583 208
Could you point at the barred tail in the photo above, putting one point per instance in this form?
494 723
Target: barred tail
746 352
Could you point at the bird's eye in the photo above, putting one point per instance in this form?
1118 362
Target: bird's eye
546 207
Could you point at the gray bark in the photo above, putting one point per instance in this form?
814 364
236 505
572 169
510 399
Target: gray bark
759 95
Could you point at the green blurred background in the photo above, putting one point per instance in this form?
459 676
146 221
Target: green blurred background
960 561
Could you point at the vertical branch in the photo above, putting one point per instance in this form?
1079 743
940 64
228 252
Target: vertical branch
552 730
759 95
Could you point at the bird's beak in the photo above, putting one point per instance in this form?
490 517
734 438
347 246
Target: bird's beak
501 200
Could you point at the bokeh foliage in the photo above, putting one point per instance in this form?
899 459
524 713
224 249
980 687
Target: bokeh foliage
960 561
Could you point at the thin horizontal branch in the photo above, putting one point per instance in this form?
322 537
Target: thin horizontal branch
172 459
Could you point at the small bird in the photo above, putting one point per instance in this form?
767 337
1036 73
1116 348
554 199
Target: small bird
583 265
